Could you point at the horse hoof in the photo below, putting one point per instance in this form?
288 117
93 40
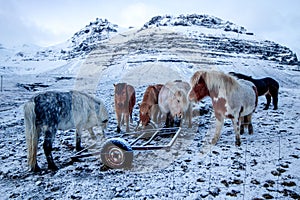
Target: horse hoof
166 126
53 168
250 129
35 169
266 108
214 141
79 148
238 143
118 130
242 131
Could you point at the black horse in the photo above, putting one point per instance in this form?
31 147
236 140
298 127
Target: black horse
265 86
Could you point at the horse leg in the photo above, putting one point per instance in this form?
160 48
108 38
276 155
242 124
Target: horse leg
130 117
78 139
154 113
92 133
49 137
189 114
274 93
119 117
169 121
219 126
250 127
236 126
127 115
268 97
160 115
244 122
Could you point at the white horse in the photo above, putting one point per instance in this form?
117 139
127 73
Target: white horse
173 102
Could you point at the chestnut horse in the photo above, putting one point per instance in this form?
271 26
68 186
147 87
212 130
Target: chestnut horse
231 98
124 103
173 102
149 107
265 86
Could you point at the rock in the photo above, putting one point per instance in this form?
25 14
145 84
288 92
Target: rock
267 196
224 182
233 193
288 183
38 183
215 191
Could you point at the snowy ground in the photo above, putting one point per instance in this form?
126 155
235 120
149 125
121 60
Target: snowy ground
266 166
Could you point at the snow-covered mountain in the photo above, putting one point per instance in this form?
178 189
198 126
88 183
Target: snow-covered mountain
81 43
229 43
196 20
211 33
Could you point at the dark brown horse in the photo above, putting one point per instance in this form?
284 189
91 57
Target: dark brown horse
265 86
149 107
124 103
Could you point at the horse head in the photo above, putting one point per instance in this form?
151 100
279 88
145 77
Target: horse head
145 110
121 96
102 116
178 105
241 76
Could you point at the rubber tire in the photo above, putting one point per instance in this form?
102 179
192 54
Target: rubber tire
116 153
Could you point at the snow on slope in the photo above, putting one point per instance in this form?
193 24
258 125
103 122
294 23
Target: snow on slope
265 166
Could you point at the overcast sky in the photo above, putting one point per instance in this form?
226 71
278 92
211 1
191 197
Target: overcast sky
48 22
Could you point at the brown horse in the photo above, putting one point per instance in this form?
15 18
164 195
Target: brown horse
173 102
124 103
149 106
231 98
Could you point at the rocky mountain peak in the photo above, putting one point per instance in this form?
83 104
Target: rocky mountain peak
196 20
94 32
85 40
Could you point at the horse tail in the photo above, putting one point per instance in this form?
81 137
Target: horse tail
256 96
31 134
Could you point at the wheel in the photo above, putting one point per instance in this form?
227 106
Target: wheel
116 153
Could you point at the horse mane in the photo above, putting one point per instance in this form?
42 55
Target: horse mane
148 91
215 80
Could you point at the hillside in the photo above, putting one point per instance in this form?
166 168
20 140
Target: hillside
265 166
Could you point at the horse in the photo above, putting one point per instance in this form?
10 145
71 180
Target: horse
173 102
124 103
51 111
149 106
231 98
266 86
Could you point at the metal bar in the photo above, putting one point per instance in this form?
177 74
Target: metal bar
80 155
153 136
175 137
86 155
156 147
138 138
